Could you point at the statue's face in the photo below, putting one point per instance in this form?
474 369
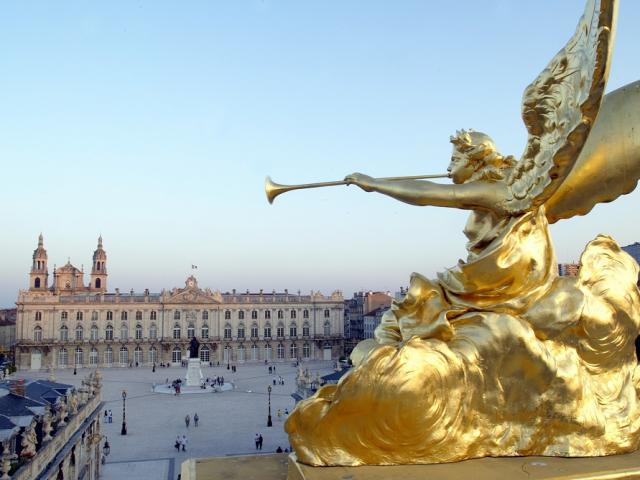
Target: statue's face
459 169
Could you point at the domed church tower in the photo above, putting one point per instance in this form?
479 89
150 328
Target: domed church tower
39 275
99 269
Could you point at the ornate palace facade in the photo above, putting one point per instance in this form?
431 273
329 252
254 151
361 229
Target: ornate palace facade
72 325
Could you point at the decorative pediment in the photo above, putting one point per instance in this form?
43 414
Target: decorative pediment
192 294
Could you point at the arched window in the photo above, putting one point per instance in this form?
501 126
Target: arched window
38 316
205 315
124 315
305 329
227 331
79 333
98 282
94 333
254 352
241 315
326 313
79 358
293 330
327 328
153 331
293 314
94 316
267 330
306 350
280 314
108 356
241 353
191 331
109 315
124 332
176 331
153 355
138 315
36 284
241 330
176 315
267 314
37 334
138 332
124 356
79 316
227 315
254 330
293 351
176 355
153 315
64 333
108 333
63 357
254 314
205 354
93 357
204 332
138 356
280 330
64 315
280 351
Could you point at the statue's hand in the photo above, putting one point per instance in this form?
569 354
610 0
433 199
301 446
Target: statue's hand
365 182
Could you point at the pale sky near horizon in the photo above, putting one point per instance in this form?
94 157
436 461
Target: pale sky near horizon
155 123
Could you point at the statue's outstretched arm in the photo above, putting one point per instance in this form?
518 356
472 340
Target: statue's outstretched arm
469 196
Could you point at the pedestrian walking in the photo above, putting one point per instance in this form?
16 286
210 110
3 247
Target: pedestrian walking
184 443
195 419
260 440
178 442
106 416
110 416
257 441
187 419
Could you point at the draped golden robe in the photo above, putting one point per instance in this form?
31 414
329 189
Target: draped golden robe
497 357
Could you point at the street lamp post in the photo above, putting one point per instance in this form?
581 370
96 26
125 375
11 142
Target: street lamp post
123 431
269 422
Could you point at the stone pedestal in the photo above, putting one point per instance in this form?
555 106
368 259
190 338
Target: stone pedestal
276 467
194 373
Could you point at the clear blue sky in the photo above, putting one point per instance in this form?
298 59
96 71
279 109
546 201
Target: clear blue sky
155 123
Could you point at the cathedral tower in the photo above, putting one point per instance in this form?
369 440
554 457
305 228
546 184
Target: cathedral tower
99 270
39 275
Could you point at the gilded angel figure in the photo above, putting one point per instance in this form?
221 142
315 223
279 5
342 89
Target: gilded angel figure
499 356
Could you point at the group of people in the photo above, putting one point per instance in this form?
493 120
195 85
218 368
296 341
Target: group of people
281 413
217 381
108 416
187 420
272 369
279 379
258 441
181 443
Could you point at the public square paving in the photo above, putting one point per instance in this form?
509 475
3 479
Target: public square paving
228 420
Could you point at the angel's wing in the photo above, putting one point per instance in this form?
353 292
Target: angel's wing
609 164
560 107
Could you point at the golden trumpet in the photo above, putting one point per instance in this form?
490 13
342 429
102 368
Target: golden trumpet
273 189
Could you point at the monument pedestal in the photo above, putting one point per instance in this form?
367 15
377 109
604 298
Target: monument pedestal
194 373
276 467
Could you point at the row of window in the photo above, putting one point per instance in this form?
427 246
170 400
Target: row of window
177 331
153 315
176 355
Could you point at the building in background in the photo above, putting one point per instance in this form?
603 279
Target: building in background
70 324
568 269
7 333
634 251
51 430
355 310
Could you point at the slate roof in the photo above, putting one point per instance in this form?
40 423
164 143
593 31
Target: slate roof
13 405
46 391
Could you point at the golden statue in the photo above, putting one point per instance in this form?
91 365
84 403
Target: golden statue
499 356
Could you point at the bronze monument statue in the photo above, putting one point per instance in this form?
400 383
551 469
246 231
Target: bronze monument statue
499 355
194 347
